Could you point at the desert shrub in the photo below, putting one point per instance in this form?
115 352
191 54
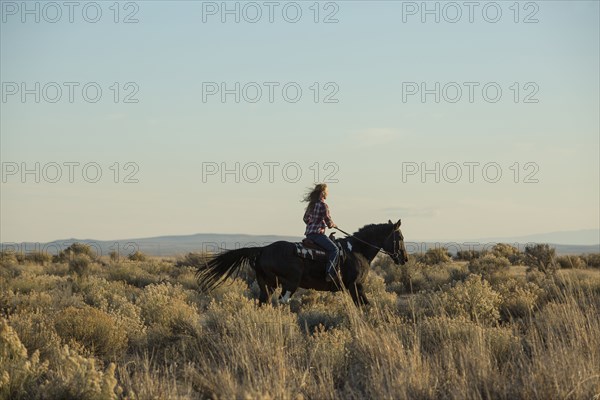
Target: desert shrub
385 267
535 276
74 376
167 313
99 332
570 262
474 299
158 267
254 352
36 331
108 295
8 257
12 271
34 301
407 278
186 277
458 272
131 273
518 299
468 255
592 260
236 287
381 364
321 317
436 276
551 290
541 257
415 276
329 350
27 282
377 293
116 299
435 333
137 256
435 256
38 257
511 253
59 269
6 300
114 256
490 267
192 260
73 250
9 272
504 346
19 374
565 345
80 264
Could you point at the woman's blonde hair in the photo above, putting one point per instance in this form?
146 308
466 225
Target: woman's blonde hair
313 195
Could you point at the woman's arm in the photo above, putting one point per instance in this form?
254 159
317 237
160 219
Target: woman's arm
327 217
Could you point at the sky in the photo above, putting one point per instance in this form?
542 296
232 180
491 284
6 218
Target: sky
147 118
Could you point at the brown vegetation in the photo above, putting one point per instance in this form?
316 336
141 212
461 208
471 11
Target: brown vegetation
84 328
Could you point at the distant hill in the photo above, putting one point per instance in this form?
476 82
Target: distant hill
157 246
580 237
574 242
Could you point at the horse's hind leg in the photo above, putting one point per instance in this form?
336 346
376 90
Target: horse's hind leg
266 291
291 281
287 290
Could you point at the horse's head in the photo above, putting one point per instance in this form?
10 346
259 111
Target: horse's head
394 244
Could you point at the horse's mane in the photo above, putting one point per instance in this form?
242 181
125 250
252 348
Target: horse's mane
369 229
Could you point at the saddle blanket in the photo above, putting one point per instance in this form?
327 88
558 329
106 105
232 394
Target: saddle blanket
316 254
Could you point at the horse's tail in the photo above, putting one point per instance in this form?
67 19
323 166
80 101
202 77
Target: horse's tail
219 267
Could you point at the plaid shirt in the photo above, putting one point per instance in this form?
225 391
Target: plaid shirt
317 219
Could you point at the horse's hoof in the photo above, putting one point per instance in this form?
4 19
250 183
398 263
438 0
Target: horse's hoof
285 299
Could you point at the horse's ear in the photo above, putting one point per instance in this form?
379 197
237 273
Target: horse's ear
397 224
389 221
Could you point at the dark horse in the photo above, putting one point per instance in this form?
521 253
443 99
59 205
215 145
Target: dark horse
278 265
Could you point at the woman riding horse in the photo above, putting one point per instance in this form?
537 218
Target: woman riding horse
316 218
278 264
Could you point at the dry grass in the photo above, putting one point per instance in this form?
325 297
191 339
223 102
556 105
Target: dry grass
138 329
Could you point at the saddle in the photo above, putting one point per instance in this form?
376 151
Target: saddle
306 242
310 250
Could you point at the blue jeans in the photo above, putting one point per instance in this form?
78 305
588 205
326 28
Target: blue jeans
330 247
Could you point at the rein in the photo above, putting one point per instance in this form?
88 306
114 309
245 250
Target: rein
367 243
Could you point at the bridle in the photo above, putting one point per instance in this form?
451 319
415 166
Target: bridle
394 254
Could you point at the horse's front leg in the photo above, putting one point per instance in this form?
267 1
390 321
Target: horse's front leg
363 298
358 295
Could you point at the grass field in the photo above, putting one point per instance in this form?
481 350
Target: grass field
101 329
